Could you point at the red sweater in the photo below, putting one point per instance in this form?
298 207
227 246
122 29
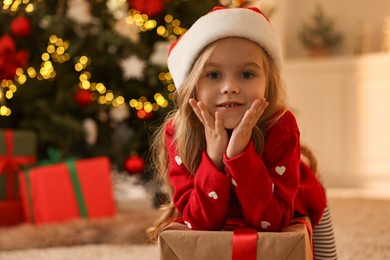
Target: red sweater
264 192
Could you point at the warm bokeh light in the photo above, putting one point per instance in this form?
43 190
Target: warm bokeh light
56 52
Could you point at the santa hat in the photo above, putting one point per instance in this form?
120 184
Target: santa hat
249 23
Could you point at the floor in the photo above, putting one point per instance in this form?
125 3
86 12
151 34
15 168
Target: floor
361 227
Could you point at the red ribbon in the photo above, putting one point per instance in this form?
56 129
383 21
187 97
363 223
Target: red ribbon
244 244
10 165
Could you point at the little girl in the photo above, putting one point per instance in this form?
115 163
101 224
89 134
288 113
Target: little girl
230 154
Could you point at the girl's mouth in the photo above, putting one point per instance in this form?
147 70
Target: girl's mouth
229 105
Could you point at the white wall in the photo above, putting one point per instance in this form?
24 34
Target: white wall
348 15
341 102
342 107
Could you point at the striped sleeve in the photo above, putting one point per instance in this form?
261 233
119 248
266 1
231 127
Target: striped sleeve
324 239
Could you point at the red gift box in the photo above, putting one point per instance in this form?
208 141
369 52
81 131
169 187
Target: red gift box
11 212
69 190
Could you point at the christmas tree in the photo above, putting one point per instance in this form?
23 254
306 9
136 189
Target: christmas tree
318 34
90 77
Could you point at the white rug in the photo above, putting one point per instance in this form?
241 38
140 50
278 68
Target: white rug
361 226
86 252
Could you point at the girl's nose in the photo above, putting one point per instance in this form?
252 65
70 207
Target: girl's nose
230 87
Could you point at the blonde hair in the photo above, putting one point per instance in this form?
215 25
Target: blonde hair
189 137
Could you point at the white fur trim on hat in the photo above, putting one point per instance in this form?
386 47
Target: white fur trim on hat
218 24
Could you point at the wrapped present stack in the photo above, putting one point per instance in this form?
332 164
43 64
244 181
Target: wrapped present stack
52 193
17 150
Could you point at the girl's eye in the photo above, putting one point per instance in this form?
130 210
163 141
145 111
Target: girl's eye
213 75
247 74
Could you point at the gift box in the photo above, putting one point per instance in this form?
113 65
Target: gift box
17 149
11 212
182 244
68 190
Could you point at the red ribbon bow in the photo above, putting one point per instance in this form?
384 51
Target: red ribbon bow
244 245
9 164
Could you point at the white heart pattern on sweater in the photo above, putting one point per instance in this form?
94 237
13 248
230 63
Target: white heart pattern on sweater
280 170
178 160
213 195
265 224
188 224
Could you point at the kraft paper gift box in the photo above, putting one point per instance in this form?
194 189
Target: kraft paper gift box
293 243
17 149
68 190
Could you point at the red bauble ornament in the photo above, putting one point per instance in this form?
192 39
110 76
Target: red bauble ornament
149 7
10 58
7 45
83 97
142 114
134 164
21 27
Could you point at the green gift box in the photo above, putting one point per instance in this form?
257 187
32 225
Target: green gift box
17 149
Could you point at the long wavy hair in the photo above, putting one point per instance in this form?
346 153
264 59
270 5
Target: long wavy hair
189 137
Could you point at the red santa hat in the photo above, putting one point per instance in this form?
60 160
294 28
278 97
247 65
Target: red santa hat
249 23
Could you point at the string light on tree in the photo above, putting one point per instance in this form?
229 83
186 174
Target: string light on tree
4 110
20 77
57 48
172 28
234 3
166 79
141 20
16 5
1 95
146 112
160 100
56 53
7 90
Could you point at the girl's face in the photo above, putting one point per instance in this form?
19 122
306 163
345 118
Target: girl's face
232 79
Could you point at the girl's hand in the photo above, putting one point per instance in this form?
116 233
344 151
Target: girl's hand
216 134
242 132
